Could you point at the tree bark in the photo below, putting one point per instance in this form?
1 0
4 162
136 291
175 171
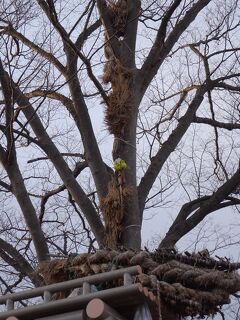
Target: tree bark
61 166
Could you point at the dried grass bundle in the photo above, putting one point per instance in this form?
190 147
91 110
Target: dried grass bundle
80 259
112 207
54 271
118 12
140 257
123 259
98 257
188 276
144 260
117 112
218 279
173 275
160 270
118 104
147 281
81 271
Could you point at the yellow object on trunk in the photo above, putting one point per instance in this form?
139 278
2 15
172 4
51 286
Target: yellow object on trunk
119 164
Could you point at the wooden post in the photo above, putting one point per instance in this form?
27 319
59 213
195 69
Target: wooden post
127 279
9 304
47 296
86 288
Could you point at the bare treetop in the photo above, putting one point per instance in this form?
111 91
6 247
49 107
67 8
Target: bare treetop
108 110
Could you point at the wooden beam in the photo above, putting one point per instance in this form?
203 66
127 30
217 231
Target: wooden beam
99 310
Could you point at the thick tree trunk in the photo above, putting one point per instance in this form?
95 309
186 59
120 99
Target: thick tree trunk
125 148
120 20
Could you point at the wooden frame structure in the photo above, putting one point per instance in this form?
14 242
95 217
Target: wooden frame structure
118 302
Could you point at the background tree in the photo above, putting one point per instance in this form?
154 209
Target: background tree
157 79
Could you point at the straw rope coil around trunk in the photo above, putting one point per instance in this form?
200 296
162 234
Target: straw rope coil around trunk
188 289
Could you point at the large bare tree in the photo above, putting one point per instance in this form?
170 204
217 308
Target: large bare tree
159 79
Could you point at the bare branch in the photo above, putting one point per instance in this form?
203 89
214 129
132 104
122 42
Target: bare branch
182 224
159 50
80 166
165 20
168 147
52 16
61 166
5 185
21 134
12 256
64 154
51 94
95 162
47 55
218 124
9 161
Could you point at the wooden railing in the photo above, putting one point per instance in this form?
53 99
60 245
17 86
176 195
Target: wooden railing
73 307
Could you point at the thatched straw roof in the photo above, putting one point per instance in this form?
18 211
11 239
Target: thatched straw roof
193 284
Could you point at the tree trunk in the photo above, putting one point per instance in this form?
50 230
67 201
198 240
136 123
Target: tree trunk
125 148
